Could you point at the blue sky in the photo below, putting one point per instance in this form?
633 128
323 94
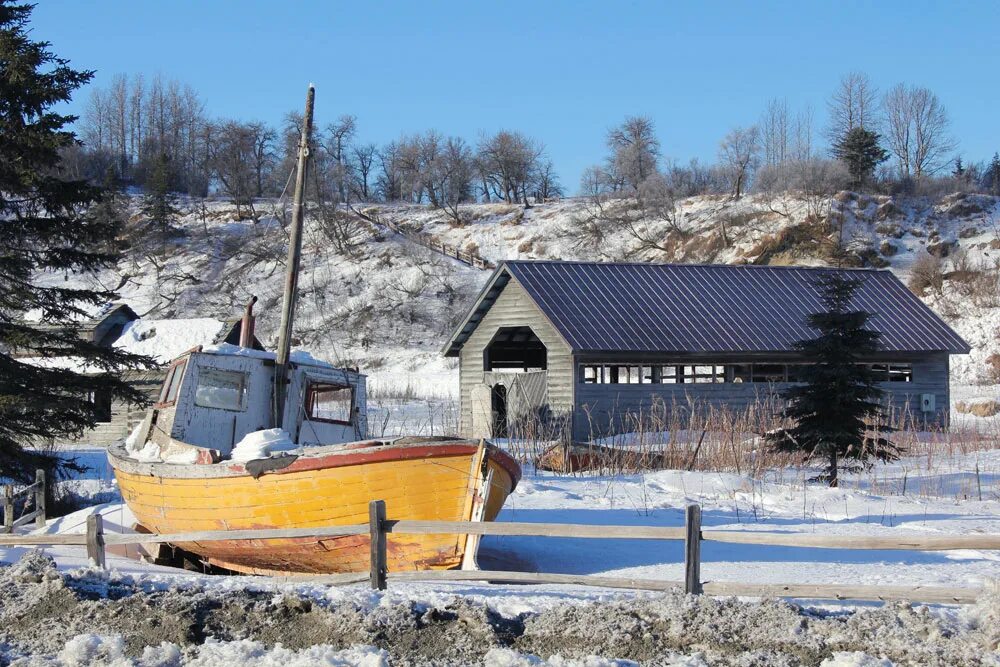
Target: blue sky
562 72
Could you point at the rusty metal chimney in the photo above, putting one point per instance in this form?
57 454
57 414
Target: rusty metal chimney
247 325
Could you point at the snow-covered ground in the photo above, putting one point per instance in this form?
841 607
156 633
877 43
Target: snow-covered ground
780 503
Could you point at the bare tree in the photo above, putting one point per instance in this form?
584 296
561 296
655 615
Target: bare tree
775 132
508 160
232 163
547 183
362 162
635 150
338 138
802 135
738 152
853 104
264 157
917 130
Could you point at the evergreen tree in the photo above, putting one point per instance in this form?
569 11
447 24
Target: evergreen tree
860 151
959 171
991 179
46 231
839 395
159 204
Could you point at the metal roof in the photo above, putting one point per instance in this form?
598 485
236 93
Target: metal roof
689 308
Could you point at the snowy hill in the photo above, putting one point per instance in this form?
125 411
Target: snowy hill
373 298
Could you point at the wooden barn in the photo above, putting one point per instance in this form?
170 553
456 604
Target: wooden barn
586 346
117 325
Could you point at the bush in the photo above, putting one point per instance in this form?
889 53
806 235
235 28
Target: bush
926 273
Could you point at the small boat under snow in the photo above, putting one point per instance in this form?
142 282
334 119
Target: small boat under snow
244 439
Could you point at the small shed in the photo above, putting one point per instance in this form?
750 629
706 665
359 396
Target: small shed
584 347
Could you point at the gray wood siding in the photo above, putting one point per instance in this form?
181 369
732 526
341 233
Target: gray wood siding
514 308
603 409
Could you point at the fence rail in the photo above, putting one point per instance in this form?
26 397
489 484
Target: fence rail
378 576
37 489
430 242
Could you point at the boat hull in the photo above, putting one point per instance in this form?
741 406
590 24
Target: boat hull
445 481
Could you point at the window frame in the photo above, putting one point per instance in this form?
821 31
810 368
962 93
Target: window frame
243 389
310 397
177 366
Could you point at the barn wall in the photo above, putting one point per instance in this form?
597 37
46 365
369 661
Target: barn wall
604 409
514 308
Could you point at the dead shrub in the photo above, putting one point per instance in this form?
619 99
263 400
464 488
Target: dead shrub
993 368
525 246
926 274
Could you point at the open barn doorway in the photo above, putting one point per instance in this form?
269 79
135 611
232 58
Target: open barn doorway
515 349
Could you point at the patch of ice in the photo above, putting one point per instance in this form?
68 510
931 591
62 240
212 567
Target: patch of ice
262 444
855 659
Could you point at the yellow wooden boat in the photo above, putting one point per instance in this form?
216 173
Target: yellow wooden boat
419 478
246 439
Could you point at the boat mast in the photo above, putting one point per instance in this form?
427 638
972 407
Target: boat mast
292 266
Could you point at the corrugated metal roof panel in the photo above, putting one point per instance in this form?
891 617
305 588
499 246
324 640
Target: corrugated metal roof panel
712 308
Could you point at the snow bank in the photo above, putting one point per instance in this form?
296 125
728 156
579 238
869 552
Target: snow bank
262 444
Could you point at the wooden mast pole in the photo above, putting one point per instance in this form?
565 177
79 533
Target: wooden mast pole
292 267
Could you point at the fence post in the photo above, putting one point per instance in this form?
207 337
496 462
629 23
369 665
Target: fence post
376 527
8 509
692 550
40 498
95 539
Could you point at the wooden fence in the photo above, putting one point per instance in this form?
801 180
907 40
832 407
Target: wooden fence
430 242
38 514
378 576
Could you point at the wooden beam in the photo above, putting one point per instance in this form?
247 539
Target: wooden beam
20 521
501 576
378 565
931 594
8 509
40 498
907 543
535 529
692 550
95 539
249 534
77 539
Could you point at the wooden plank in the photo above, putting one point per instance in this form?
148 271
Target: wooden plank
255 534
95 539
8 509
535 529
692 550
30 516
40 498
907 543
931 594
77 539
499 576
376 525
331 579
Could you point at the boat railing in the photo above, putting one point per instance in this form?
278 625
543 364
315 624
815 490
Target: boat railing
692 534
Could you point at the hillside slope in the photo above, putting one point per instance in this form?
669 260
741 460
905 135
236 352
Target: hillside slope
370 297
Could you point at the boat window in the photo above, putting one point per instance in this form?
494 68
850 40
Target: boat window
172 383
329 402
220 389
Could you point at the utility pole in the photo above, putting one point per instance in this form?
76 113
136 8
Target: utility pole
292 266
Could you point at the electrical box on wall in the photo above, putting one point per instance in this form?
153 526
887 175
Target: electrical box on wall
927 403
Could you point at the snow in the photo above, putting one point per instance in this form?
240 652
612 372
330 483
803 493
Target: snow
298 356
262 444
165 340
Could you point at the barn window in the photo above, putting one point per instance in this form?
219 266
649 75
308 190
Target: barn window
172 383
224 390
331 403
704 374
668 375
893 372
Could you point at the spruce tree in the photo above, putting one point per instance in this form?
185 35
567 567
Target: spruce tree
159 204
49 230
839 397
991 179
859 149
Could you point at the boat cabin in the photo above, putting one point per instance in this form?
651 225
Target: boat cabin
212 397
